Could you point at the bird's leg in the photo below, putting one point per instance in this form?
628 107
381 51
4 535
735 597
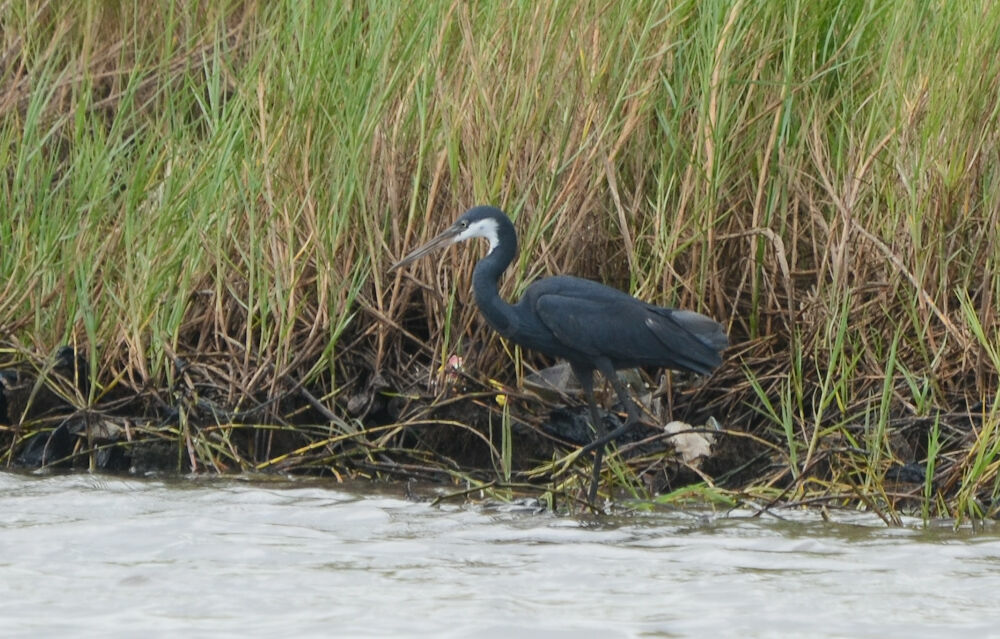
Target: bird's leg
598 422
586 379
631 420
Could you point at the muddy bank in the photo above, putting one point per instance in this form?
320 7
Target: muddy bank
399 433
452 433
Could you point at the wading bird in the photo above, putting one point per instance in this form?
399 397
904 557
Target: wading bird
590 325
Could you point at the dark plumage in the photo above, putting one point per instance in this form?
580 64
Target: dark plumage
592 326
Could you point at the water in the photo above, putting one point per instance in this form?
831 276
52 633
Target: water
96 556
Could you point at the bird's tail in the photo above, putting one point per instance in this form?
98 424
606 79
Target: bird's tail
700 349
706 329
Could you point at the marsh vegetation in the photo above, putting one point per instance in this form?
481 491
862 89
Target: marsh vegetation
200 201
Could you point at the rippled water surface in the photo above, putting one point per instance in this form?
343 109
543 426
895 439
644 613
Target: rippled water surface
97 556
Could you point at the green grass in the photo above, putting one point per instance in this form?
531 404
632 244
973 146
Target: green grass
203 198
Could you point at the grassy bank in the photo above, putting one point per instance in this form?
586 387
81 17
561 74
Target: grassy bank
202 201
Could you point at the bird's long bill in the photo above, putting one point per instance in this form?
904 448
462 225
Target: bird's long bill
444 239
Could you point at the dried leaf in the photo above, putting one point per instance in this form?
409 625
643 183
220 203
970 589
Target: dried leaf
691 446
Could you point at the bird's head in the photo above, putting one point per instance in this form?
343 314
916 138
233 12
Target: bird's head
481 221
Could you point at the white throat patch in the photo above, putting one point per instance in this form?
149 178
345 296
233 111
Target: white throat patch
483 228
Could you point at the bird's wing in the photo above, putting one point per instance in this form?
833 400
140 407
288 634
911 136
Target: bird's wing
629 332
591 327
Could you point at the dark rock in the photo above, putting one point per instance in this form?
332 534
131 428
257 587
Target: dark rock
572 424
911 473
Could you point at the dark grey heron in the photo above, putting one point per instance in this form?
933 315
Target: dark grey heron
590 325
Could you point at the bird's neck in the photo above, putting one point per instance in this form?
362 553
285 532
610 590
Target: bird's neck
486 279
